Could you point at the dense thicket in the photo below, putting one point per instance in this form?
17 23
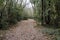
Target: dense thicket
47 11
10 12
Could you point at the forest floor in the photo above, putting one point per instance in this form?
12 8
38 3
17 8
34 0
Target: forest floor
25 30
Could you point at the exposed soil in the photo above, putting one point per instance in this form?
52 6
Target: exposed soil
25 30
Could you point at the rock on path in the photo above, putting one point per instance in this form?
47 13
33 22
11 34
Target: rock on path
24 31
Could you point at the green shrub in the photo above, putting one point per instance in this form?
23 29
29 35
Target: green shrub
10 14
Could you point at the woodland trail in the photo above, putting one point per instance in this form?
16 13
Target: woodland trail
25 30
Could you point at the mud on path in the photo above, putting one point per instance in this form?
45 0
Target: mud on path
25 30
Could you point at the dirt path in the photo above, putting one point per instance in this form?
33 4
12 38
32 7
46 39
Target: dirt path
25 31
